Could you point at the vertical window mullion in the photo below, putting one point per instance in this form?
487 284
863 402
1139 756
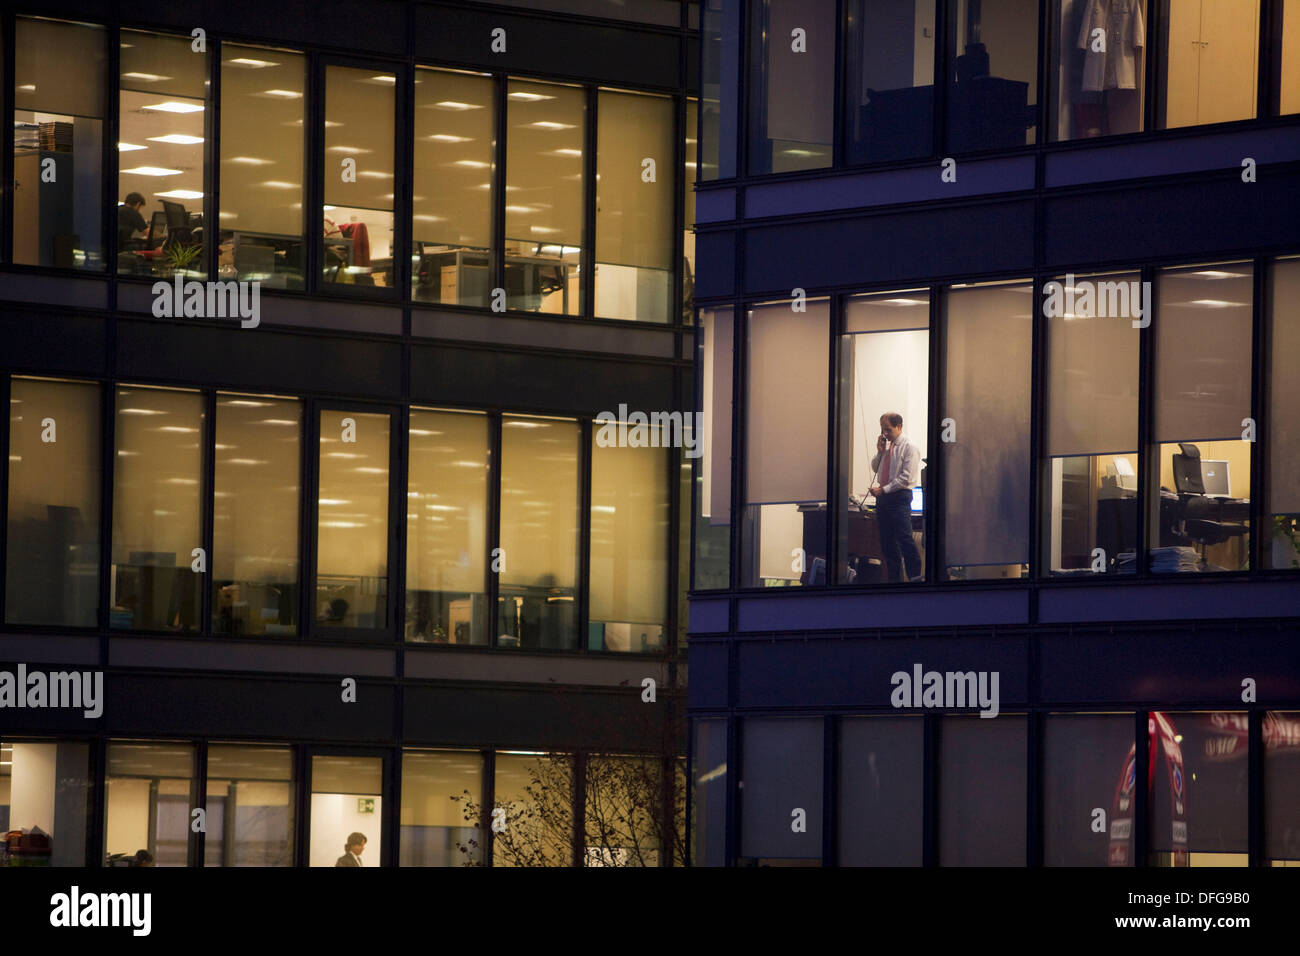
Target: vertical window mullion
584 533
108 458
211 162
309 509
1261 334
1148 463
314 152
587 258
491 586
9 25
207 507
403 164
399 455
497 269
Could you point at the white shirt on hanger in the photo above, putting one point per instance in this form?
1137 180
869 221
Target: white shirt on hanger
1125 33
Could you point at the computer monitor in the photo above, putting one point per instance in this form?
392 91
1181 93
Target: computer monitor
918 501
1214 476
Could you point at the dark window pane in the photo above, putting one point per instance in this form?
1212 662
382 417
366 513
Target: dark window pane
1088 765
709 800
888 80
791 84
1198 794
1283 547
880 791
1099 67
781 800
994 87
1282 788
714 352
982 791
719 82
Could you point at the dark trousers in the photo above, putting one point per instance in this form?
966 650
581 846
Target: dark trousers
894 521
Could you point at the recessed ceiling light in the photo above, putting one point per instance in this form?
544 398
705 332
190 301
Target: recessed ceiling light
384 78
147 77
549 124
180 194
153 171
448 138
374 174
277 184
472 163
180 139
250 63
172 106
27 88
287 94
567 152
250 161
456 105
127 147
347 149
529 97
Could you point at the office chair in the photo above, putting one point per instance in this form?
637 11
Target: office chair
1201 517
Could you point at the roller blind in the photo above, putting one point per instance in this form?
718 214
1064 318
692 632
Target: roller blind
716 333
59 67
782 771
359 118
1284 385
634 218
629 534
1203 345
455 116
787 403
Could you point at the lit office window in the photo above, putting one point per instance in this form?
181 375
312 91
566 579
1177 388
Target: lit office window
45 792
688 220
358 169
58 128
1197 800
791 84
1200 519
993 87
1286 67
884 402
1282 788
714 352
164 92
534 794
719 88
989 336
250 801
255 515
1210 61
157 495
539 533
442 808
446 528
785 465
880 791
1282 549
1099 67
888 81
347 811
781 792
149 790
53 548
544 196
1088 763
709 789
629 538
451 214
261 221
634 214
982 791
624 813
1090 480
352 548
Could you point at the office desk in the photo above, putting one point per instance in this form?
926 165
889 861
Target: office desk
454 276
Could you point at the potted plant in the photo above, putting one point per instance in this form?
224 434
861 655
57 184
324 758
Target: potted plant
181 257
1286 542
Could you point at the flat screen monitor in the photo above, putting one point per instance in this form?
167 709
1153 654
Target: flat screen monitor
1214 476
918 501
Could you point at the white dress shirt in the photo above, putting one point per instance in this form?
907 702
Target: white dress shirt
1115 69
904 465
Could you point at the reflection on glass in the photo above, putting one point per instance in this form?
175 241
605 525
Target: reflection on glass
624 812
634 216
52 539
262 98
714 353
44 796
709 787
1211 61
884 397
149 790
451 221
441 808
446 528
1088 763
889 81
544 196
785 476
791 85
1099 67
255 515
1201 520
352 550
629 539
1197 800
534 798
880 791
1090 478
986 521
993 89
1282 788
58 128
781 769
688 221
157 492
1282 549
161 167
982 797
539 533
719 88
250 800
347 811
358 211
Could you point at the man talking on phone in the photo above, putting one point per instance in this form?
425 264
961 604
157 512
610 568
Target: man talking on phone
897 464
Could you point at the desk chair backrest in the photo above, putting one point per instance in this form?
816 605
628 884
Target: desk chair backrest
1187 470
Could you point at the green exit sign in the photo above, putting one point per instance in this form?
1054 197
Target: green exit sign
366 805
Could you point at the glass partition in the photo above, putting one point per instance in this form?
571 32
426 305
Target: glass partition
250 801
149 791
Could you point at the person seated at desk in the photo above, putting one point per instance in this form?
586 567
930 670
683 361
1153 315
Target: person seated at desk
130 223
897 463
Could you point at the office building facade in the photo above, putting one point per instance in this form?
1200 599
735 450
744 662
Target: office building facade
311 325
994 530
